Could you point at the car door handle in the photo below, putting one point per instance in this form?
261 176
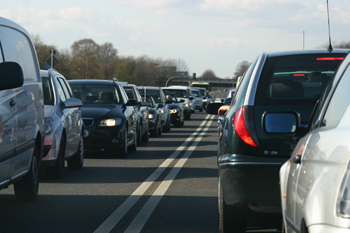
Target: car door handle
12 103
296 158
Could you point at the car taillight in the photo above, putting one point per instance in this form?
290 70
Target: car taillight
240 127
330 58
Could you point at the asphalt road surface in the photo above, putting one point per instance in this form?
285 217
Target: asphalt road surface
168 185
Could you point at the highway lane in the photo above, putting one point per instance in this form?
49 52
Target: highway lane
168 185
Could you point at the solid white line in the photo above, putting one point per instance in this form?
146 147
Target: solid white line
119 213
142 217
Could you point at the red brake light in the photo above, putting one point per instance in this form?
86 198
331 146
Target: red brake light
299 75
241 129
330 58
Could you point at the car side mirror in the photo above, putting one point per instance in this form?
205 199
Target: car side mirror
213 108
281 123
131 102
11 75
160 106
72 103
182 101
191 98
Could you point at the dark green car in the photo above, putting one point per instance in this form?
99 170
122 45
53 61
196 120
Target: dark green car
249 158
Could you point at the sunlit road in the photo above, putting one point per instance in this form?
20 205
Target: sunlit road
168 185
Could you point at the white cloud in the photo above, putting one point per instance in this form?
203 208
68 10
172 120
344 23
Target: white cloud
6 13
214 43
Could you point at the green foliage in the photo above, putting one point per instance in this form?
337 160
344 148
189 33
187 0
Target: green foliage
125 72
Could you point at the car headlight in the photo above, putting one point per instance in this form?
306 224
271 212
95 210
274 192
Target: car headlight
110 122
48 125
343 203
186 105
161 111
173 110
150 116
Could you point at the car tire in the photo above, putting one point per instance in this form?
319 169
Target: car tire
154 132
124 149
145 137
77 160
57 171
27 188
139 134
160 129
231 219
201 109
169 125
183 122
133 147
188 116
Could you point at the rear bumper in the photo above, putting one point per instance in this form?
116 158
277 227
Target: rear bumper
251 181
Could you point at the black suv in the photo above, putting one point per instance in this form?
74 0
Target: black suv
249 158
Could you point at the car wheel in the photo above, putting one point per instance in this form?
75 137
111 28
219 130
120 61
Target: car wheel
27 188
154 132
183 121
139 135
145 137
124 150
188 116
77 160
133 147
168 125
57 171
231 219
160 129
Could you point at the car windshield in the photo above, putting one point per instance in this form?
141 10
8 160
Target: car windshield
154 93
48 93
129 92
175 92
295 80
196 93
96 94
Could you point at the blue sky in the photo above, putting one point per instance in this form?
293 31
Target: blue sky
207 34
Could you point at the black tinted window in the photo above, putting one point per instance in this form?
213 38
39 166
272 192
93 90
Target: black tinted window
48 93
295 80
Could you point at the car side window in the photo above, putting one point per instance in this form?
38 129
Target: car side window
20 50
64 88
1 58
338 103
61 92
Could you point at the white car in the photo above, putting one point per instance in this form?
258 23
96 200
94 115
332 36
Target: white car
182 93
63 126
315 181
21 112
198 101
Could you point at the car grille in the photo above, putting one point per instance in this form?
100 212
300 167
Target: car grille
88 121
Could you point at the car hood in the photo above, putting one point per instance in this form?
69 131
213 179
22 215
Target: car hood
48 110
101 111
174 106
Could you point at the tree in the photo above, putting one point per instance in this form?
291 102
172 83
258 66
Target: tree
240 69
209 74
42 49
86 59
125 72
341 45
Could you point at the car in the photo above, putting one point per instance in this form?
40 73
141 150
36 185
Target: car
159 98
21 112
63 126
315 181
205 95
249 158
177 111
142 112
198 101
182 93
231 93
154 117
110 120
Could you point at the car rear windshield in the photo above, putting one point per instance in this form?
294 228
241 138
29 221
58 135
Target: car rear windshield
178 93
154 93
295 80
96 94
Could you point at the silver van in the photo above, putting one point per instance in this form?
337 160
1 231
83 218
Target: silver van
21 112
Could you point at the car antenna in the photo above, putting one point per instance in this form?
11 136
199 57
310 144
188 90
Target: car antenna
330 49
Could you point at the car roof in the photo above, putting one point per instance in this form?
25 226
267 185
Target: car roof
305 52
149 87
90 81
9 23
176 87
